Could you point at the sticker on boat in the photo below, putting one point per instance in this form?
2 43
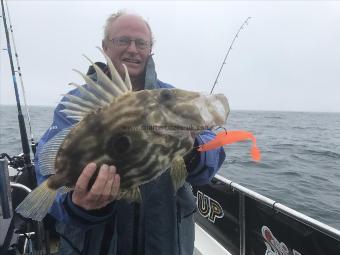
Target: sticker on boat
275 247
208 207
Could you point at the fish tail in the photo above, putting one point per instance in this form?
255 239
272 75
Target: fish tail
37 203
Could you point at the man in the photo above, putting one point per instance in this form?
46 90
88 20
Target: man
89 219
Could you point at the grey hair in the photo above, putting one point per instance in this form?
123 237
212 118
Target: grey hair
114 16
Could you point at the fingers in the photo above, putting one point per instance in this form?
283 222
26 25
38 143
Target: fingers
100 183
111 189
104 190
107 189
84 178
116 186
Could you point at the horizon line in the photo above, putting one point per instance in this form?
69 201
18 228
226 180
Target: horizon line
255 110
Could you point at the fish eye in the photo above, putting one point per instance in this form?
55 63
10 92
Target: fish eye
118 145
166 95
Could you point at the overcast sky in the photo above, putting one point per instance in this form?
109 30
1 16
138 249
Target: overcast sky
287 58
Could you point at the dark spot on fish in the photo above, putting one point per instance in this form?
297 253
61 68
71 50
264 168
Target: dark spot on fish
118 145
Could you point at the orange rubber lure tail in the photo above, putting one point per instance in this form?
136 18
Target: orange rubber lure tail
232 136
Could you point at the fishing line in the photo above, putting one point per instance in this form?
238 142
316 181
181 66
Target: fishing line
21 80
230 47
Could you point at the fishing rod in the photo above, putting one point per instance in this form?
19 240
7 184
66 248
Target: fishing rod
230 47
23 134
24 163
33 144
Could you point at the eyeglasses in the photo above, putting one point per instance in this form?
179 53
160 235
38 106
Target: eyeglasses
125 41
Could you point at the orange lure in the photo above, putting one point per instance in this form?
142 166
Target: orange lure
232 136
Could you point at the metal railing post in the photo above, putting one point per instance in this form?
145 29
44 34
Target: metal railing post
5 194
242 220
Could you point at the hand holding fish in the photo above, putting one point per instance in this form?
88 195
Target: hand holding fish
104 190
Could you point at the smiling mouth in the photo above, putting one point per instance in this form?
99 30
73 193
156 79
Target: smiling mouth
134 61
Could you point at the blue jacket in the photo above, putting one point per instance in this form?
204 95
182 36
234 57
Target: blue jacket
161 224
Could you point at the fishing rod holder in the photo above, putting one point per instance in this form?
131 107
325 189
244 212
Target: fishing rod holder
5 193
16 162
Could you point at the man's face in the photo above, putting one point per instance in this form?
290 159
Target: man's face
128 27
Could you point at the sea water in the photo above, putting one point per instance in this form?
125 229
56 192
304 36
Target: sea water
300 164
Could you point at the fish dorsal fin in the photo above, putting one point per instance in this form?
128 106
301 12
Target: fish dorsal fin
97 93
49 152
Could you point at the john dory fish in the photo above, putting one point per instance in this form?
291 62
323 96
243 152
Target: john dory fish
111 130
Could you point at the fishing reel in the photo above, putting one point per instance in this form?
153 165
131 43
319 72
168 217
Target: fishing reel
16 162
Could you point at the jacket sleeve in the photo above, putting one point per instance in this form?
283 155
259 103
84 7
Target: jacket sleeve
63 209
209 162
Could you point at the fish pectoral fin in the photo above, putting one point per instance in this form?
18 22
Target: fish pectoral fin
131 195
178 172
49 152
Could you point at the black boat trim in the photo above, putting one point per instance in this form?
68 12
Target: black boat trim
255 224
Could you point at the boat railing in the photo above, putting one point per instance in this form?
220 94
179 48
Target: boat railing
322 227
245 222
